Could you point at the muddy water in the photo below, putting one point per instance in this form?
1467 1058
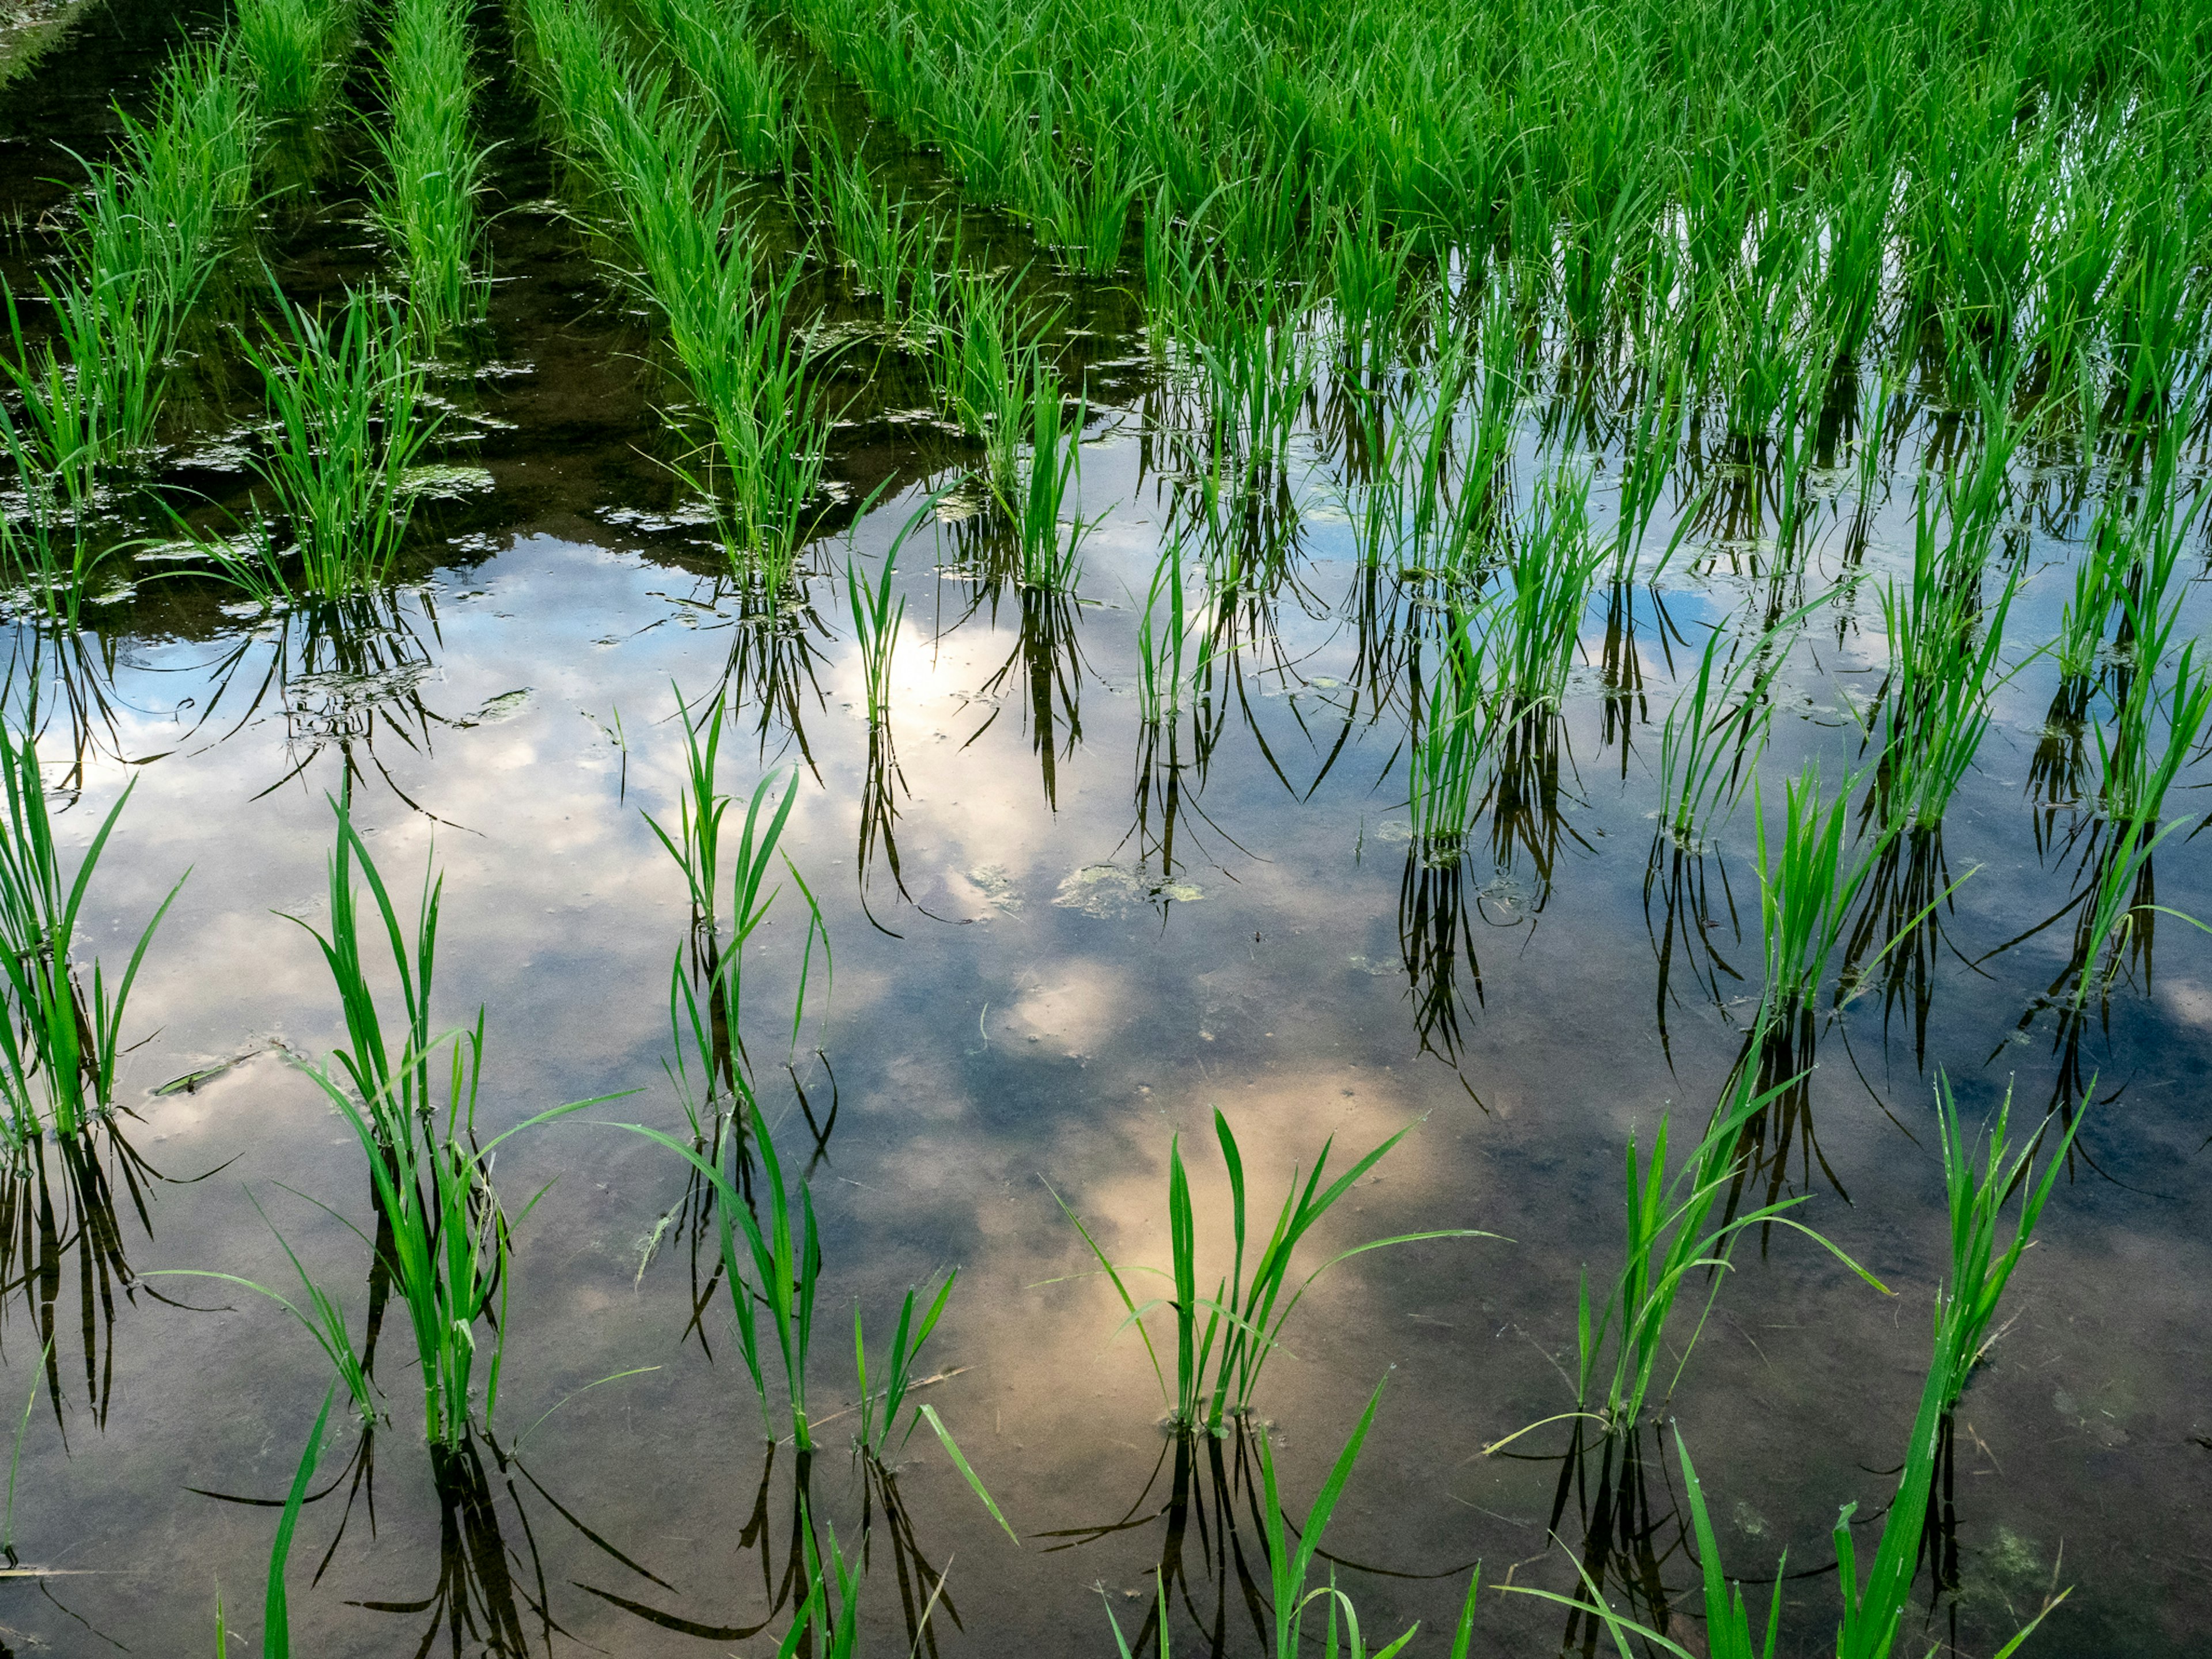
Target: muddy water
1063 947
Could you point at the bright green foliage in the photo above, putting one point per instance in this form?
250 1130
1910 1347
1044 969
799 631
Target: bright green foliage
445 1236
290 52
1667 1240
1218 1366
350 417
880 1409
59 1042
730 321
276 1609
777 1271
432 166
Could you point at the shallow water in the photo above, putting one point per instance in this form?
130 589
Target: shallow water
1083 946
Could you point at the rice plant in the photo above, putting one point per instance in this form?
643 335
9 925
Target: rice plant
1217 1367
1714 733
277 1607
1050 544
876 622
350 417
1531 633
730 321
1457 724
1941 680
1081 212
881 1409
433 167
882 241
697 851
61 1041
1174 645
747 85
1875 1607
983 374
288 49
1808 882
1668 1240
443 1233
777 1271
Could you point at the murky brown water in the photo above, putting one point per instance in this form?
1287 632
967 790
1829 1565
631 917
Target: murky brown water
1079 950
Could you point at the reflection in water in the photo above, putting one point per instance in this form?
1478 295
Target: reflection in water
1211 1480
62 1242
1694 907
775 656
1899 932
1523 803
1779 1051
1436 931
1629 1538
1045 671
1212 1560
492 1596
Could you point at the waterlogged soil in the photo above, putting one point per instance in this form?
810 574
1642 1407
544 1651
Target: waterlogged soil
1057 945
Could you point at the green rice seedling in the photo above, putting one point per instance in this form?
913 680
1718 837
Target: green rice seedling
351 415
729 322
1290 1565
1050 546
450 1237
434 170
60 1043
882 241
828 1622
697 850
748 86
1941 684
1450 743
1367 281
2136 772
89 394
1807 886
1081 212
1252 349
1531 632
143 246
1667 1240
983 375
1713 735
1244 1318
1653 440
444 1236
2137 776
1874 1609
697 845
277 1607
1174 645
1731 1634
778 1271
880 1409
387 1076
286 46
876 622
1979 1271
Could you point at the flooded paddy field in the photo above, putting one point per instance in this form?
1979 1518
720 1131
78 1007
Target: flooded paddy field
977 672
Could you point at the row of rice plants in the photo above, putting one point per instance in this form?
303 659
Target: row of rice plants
89 392
729 313
433 167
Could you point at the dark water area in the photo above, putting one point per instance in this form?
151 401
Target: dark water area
1060 939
